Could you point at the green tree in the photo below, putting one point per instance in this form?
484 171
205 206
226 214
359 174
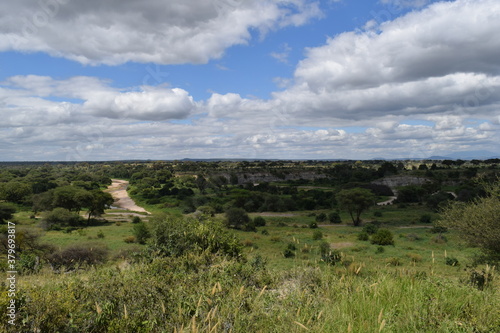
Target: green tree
236 218
98 202
478 221
355 201
6 211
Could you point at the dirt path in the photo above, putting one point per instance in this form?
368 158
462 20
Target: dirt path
118 189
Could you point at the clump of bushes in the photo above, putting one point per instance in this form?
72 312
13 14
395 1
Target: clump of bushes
78 255
313 225
383 237
451 261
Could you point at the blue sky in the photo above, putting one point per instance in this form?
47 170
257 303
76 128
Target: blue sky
292 79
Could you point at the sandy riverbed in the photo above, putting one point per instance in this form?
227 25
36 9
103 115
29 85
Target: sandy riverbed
118 189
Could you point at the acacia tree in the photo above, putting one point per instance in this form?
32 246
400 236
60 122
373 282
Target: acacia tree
355 201
478 221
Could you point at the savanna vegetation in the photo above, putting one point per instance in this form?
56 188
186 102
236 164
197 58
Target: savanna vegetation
254 246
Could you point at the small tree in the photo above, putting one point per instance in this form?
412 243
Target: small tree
236 218
478 222
355 201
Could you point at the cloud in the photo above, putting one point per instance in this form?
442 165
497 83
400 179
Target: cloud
164 32
148 104
439 59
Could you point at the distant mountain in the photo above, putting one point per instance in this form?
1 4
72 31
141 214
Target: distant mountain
472 155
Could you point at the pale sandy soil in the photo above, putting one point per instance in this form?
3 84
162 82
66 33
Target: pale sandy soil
118 189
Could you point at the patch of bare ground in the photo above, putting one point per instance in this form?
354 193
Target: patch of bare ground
341 245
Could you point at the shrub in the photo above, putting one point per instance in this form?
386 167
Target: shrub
28 263
100 234
380 249
313 225
328 255
334 217
171 236
425 218
129 239
321 217
414 257
136 219
383 237
451 261
265 232
363 236
289 252
394 261
317 235
259 221
77 255
141 232
61 216
370 229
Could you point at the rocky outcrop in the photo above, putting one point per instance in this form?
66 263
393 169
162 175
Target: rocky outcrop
397 181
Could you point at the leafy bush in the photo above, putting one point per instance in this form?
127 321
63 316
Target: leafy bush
363 236
100 234
259 221
61 216
334 217
136 219
383 237
172 236
313 225
78 255
141 232
451 261
321 217
380 249
265 232
370 228
317 235
129 239
289 252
